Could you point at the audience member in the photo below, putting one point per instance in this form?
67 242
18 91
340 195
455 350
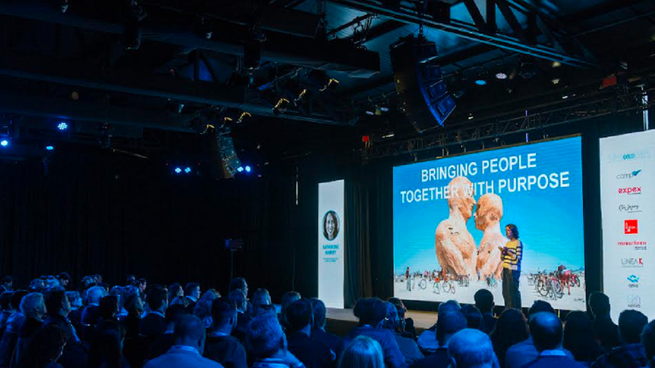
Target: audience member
511 329
261 303
287 299
91 313
153 324
484 301
311 353
267 345
318 328
7 284
239 283
108 308
189 345
37 285
107 346
33 308
606 331
525 352
243 319
408 347
203 308
181 300
59 308
406 324
362 352
75 315
192 294
7 310
160 346
473 317
546 333
579 338
14 323
220 346
175 291
631 353
134 348
471 348
427 341
64 279
142 285
45 349
371 317
648 340
448 324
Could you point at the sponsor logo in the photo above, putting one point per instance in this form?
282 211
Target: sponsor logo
629 208
629 156
629 175
631 227
632 242
630 191
634 281
632 262
634 301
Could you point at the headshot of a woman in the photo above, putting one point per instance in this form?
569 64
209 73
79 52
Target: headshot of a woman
330 225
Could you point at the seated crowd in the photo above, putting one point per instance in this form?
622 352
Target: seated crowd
138 325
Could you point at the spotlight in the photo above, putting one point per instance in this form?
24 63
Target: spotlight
62 126
187 170
244 115
248 169
556 64
501 76
480 82
178 170
49 148
555 81
281 106
470 116
4 143
240 169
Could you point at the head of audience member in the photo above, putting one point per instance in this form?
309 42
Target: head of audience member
400 311
5 301
8 282
51 282
142 285
300 316
134 305
648 340
319 312
391 321
224 316
108 308
118 292
540 306
473 316
546 331
64 279
57 304
471 348
17 298
94 294
192 290
157 298
190 331
173 313
74 299
46 347
448 324
37 285
33 306
484 301
107 345
261 303
175 290
239 299
86 283
362 352
631 324
449 306
180 300
599 305
579 337
97 278
239 283
131 279
203 308
373 313
511 328
265 338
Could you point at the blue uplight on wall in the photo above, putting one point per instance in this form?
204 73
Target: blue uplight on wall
187 170
62 126
4 142
178 170
248 169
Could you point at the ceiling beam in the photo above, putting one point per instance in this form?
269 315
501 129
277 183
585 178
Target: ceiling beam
294 50
377 31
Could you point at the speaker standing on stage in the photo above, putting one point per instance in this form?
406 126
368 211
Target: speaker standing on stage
512 253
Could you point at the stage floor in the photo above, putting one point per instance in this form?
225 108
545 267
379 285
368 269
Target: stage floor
340 321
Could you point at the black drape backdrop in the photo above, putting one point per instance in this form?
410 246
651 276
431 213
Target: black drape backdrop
101 213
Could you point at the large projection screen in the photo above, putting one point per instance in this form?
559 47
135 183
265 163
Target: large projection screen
449 218
627 177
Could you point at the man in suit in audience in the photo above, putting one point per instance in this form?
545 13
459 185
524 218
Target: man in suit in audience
631 353
161 345
153 325
547 332
59 307
606 331
312 353
192 293
318 328
220 346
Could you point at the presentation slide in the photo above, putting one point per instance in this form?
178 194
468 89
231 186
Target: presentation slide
627 178
450 217
331 233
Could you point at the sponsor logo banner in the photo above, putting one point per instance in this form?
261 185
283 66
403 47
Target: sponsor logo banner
630 191
630 175
631 227
630 208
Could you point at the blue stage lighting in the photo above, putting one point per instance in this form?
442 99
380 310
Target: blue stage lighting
4 143
178 170
62 126
481 82
50 148
187 170
248 169
240 169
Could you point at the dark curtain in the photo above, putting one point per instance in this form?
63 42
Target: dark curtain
357 243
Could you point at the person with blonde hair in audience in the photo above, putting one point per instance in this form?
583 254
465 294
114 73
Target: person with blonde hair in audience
203 308
362 352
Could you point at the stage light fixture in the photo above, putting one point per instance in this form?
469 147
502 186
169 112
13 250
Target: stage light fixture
555 81
240 169
62 126
187 170
178 170
248 169
4 143
501 76
480 82
470 116
556 64
50 148
244 115
281 106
